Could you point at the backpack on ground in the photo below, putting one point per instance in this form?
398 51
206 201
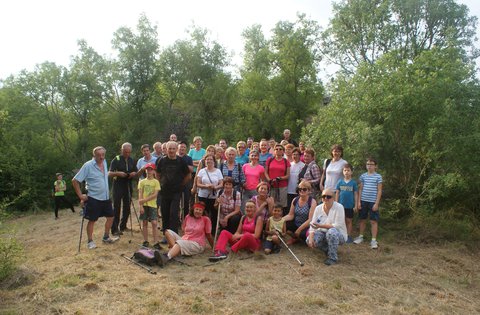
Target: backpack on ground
147 256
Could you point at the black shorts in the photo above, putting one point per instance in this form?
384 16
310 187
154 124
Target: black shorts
349 213
95 209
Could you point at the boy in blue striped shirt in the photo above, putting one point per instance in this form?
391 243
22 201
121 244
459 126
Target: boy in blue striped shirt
370 191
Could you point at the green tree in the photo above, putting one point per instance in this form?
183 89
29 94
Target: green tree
411 117
363 30
137 58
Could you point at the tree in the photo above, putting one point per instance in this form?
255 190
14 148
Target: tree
411 117
137 58
364 30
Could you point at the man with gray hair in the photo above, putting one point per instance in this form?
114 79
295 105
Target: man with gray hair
157 150
97 200
122 170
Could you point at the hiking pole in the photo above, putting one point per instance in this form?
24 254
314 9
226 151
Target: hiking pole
216 228
281 239
134 210
81 230
150 270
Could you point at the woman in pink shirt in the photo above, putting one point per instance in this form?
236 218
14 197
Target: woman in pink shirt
247 236
197 227
254 174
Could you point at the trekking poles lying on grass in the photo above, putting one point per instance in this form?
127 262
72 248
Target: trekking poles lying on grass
279 233
150 270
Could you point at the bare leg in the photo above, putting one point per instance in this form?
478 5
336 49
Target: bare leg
90 225
154 231
374 225
362 226
174 251
145 230
170 239
348 222
108 225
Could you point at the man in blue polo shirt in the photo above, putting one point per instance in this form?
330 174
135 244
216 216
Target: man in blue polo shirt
97 200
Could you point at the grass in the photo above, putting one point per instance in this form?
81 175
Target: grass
398 278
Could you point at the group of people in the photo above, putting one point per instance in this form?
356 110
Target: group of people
247 197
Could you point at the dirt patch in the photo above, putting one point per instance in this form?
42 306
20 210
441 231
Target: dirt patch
397 279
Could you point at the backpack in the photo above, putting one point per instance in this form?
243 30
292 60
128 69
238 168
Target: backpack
147 256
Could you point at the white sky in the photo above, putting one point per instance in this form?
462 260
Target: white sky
33 31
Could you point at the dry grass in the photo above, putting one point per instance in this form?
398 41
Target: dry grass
396 279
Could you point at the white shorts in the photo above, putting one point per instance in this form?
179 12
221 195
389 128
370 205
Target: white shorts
187 248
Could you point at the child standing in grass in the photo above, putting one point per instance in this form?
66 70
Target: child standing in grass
370 192
147 198
347 194
274 224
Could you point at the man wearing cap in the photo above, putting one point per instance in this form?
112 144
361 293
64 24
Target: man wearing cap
173 173
97 200
122 170
60 186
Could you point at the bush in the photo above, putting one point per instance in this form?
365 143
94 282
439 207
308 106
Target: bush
10 254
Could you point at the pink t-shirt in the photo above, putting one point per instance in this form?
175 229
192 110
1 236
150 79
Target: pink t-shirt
277 169
196 229
252 175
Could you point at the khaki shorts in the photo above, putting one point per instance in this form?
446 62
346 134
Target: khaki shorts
187 248
280 195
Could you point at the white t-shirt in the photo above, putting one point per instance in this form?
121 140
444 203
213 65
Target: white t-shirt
295 169
333 173
215 177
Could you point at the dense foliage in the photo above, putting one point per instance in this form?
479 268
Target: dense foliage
406 93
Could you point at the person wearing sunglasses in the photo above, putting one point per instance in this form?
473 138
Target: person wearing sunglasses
300 214
327 227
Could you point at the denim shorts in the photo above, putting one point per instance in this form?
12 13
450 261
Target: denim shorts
366 211
149 214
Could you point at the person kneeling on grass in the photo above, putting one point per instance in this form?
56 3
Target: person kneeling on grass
247 236
147 192
196 227
275 225
327 228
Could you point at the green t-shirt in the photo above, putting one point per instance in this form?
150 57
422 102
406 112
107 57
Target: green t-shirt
149 187
61 187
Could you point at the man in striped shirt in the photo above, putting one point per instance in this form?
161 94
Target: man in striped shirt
370 191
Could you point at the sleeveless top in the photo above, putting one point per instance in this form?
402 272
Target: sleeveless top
248 225
301 213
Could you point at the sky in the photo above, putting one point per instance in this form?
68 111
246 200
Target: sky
32 31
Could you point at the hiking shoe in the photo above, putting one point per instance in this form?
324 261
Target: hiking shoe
358 240
146 244
161 259
91 245
349 240
163 241
330 262
157 246
219 255
373 244
110 240
117 233
276 249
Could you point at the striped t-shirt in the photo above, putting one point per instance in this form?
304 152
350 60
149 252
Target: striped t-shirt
370 186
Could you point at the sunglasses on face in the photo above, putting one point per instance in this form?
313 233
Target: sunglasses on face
328 197
303 189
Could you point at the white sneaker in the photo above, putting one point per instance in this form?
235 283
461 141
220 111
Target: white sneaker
373 244
358 239
110 240
91 245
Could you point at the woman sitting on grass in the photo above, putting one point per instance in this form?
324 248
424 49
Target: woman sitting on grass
247 236
196 227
